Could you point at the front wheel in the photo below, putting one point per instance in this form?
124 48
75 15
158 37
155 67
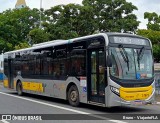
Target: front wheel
19 89
73 96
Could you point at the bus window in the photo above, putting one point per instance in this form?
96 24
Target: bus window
78 64
60 62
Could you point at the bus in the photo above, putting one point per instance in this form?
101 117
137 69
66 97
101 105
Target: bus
105 69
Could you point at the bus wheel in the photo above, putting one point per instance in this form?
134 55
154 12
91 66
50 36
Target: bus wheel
73 96
19 88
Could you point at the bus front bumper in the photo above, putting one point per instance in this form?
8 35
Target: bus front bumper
150 100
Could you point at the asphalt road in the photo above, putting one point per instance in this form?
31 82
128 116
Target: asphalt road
59 111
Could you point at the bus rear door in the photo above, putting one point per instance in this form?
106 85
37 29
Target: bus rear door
10 73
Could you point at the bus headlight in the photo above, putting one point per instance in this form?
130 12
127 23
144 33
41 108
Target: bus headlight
115 90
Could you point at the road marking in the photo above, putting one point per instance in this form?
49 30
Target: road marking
158 103
117 121
64 108
55 106
4 121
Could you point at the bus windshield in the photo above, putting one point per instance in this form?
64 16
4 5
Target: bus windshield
130 63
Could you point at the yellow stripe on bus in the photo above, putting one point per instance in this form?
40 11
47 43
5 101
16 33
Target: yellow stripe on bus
140 93
5 83
33 86
15 84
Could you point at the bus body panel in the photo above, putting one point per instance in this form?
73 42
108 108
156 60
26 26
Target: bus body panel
51 88
113 99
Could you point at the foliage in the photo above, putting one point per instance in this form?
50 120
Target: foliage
73 20
153 21
156 53
15 26
113 15
154 36
38 36
20 26
21 46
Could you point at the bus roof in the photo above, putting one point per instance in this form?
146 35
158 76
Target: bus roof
54 43
60 42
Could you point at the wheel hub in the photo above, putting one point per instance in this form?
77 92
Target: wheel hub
73 96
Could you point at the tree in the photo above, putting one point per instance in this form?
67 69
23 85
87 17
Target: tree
15 26
7 35
21 46
153 32
73 20
38 35
156 53
153 21
70 21
113 15
154 36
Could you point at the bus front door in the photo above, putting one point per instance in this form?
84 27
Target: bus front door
10 73
96 73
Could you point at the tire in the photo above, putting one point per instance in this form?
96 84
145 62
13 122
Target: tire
73 96
19 89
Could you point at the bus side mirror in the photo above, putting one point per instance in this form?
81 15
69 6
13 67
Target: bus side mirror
109 61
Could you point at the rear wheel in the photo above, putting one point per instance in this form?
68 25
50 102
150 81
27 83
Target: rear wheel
19 88
73 96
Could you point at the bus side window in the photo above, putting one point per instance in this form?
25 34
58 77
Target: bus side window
60 61
78 64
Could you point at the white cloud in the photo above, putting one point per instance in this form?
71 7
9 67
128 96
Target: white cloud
50 3
145 6
6 4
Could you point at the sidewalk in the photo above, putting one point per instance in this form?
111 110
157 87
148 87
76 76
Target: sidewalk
1 82
157 98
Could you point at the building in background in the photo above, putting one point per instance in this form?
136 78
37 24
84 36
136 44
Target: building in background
20 4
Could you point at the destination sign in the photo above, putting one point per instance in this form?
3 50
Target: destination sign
129 40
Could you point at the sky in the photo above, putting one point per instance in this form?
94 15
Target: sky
142 5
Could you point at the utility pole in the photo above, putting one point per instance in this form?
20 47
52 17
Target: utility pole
112 15
40 24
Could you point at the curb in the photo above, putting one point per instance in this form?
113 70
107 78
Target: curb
158 103
1 83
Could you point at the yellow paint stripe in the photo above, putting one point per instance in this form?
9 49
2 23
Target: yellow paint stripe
33 86
5 83
14 84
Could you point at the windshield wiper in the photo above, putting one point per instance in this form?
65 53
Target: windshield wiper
140 55
124 55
